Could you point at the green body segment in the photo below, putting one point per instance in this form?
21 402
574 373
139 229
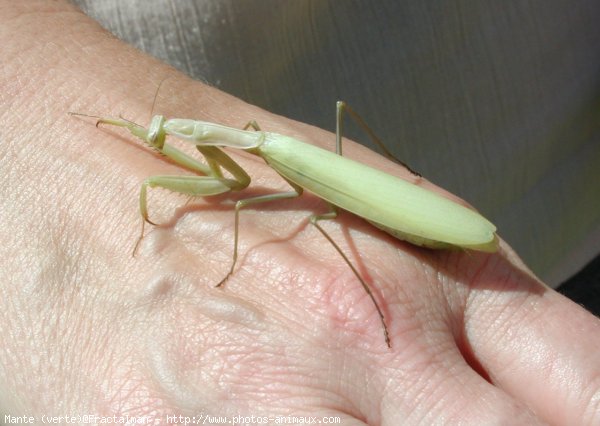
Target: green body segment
398 207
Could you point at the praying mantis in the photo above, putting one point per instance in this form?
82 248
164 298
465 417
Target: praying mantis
405 210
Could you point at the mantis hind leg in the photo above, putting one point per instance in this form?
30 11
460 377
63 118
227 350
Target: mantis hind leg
341 108
314 219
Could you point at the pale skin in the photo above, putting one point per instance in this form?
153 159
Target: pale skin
88 328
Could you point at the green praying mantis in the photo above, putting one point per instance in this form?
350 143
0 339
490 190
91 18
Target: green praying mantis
402 209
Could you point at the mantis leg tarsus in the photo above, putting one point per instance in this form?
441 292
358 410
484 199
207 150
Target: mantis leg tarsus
341 108
314 219
139 240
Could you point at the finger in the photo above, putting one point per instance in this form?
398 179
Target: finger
540 348
454 393
427 379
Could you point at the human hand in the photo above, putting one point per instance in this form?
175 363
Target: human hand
89 328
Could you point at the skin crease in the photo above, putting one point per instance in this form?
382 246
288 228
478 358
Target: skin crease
87 328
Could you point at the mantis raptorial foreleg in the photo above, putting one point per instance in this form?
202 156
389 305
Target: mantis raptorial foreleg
212 183
195 186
